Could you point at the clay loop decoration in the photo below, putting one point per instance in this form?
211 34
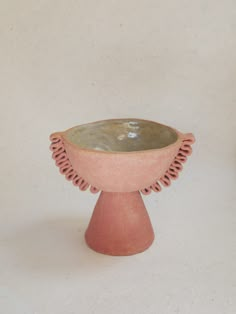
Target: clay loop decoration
63 163
176 166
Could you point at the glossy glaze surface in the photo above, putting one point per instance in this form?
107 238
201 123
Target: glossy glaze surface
122 135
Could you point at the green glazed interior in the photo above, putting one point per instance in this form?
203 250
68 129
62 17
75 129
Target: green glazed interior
122 135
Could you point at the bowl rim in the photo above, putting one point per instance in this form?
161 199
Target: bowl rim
178 140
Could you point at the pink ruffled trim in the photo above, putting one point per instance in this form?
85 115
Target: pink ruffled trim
62 161
176 166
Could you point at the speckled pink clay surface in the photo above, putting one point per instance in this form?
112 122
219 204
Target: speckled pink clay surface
120 224
121 157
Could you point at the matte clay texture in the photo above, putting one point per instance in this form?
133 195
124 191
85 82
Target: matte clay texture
128 228
121 157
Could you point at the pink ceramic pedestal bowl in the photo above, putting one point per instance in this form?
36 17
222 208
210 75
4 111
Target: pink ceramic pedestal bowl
120 158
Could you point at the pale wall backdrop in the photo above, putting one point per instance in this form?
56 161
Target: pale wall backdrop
64 63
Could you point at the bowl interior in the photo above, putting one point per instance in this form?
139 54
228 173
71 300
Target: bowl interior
122 135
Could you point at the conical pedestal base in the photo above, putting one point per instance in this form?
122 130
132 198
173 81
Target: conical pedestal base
120 225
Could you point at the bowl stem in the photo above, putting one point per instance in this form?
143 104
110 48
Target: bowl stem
120 225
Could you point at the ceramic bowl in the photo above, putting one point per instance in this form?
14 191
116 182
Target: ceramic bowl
120 157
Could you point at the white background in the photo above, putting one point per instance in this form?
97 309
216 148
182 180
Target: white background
65 63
